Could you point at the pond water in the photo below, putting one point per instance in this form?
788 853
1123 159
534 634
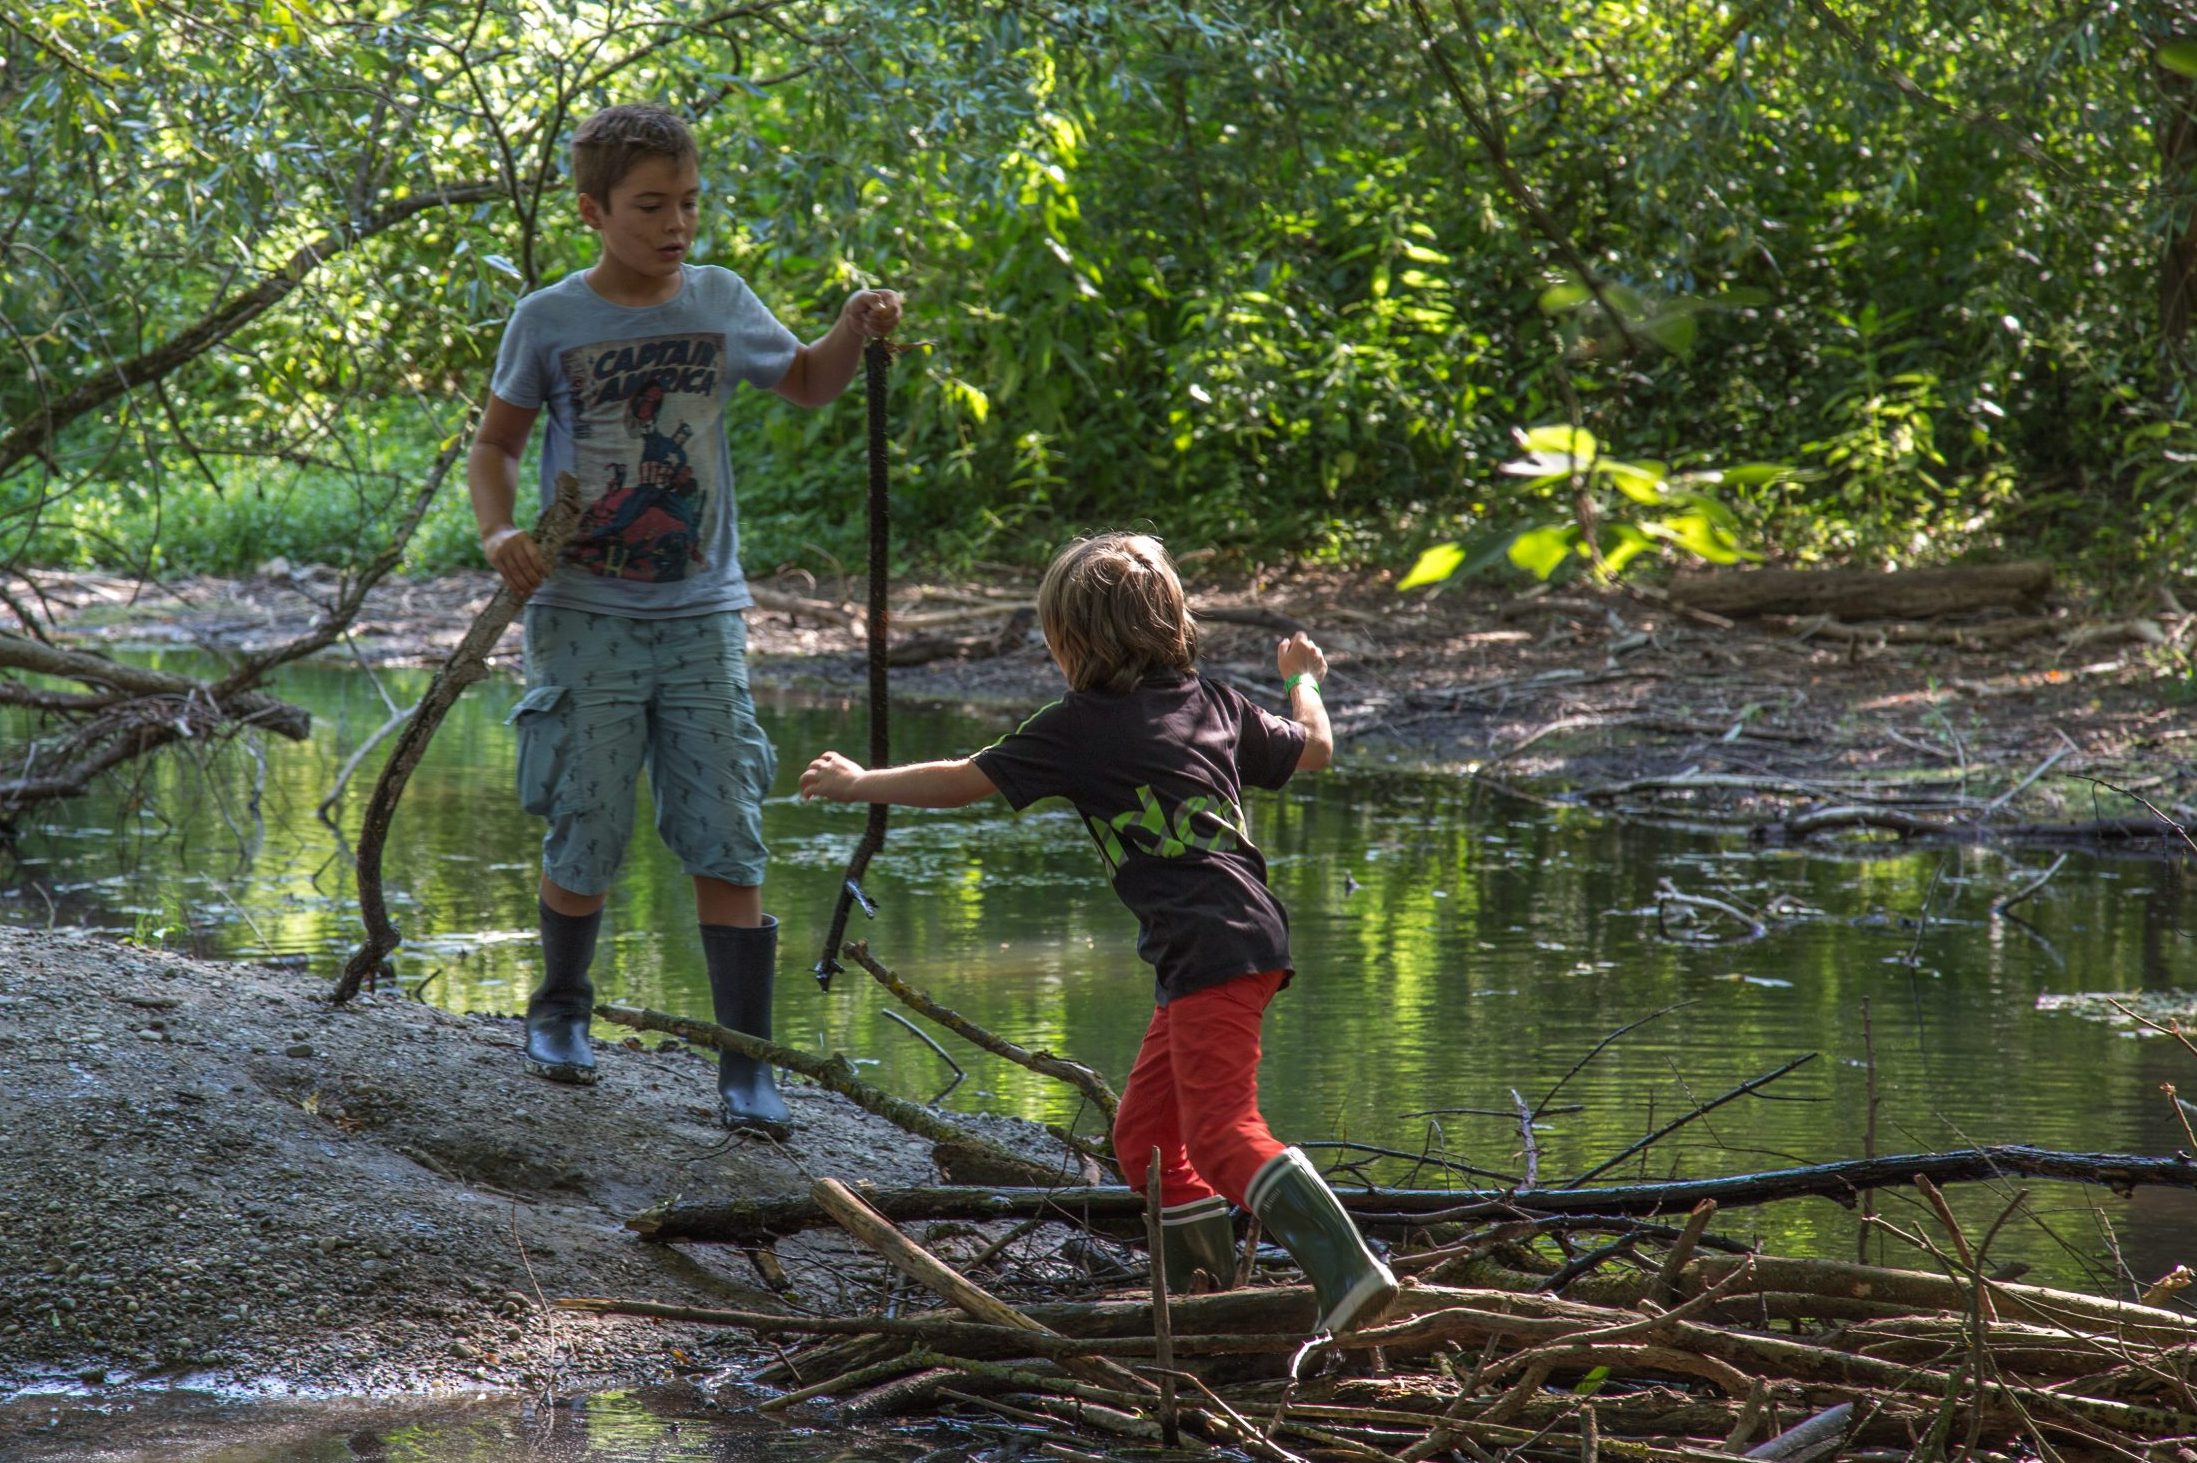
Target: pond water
1453 950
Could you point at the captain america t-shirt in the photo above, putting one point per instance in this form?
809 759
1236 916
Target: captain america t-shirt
633 403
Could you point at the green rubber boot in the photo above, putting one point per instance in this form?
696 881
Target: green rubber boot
1296 1207
1198 1236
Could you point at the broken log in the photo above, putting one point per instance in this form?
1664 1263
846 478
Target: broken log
1866 594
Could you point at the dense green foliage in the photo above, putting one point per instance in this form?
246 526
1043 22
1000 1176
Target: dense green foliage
1276 278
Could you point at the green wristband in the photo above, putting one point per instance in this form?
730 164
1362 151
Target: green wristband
1289 683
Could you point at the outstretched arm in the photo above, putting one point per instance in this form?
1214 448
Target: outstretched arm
954 784
1298 656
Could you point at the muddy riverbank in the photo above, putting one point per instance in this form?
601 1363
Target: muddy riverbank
218 1180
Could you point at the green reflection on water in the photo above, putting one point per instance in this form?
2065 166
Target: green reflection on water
1451 950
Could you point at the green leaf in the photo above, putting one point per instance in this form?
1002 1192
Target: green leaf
1675 331
1592 1382
1640 481
2178 55
1542 469
1629 544
1754 474
1558 298
1564 441
1434 566
1542 551
1694 533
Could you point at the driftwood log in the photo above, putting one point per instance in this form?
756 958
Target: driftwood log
1862 594
758 1221
467 663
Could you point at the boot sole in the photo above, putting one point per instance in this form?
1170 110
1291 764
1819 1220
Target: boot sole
571 1076
740 1123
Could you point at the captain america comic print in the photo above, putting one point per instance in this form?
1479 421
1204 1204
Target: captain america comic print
648 483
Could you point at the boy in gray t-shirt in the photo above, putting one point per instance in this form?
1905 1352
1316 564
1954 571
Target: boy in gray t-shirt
636 650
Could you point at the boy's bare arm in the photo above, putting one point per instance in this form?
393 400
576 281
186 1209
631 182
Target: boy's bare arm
492 480
1299 657
822 368
952 784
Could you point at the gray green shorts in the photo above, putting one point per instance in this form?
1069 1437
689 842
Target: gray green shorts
607 696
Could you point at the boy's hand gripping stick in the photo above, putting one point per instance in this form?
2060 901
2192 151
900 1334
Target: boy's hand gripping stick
877 358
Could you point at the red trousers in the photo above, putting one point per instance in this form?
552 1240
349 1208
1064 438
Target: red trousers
1194 1094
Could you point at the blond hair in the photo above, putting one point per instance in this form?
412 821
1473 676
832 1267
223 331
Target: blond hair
614 141
1112 610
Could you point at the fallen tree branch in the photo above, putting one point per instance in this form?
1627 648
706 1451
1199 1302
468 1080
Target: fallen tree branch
1075 1074
835 1074
1915 828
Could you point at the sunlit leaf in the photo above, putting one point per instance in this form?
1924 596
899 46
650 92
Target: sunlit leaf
2178 55
1434 566
1640 481
1694 533
1558 298
1564 441
1541 551
1754 474
1623 544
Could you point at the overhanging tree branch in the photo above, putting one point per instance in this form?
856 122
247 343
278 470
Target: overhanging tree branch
35 433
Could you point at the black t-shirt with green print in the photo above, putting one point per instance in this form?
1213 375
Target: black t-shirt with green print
1158 774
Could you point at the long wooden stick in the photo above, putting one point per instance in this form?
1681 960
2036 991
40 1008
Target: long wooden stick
1163 1336
925 1268
467 664
877 357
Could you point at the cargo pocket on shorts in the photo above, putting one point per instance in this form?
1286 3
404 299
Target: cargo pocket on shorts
543 741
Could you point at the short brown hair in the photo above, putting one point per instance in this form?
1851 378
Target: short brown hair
1113 611
612 142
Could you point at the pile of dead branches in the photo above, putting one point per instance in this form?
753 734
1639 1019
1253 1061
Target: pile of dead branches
1571 1320
1685 1349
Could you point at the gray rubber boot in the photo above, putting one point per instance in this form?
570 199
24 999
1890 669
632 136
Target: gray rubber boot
558 1011
1296 1207
1198 1236
743 964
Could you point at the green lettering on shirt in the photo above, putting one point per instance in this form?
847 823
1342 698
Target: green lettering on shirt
1151 830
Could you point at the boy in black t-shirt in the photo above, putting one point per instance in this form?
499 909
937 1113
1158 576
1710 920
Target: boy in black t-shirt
1155 757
